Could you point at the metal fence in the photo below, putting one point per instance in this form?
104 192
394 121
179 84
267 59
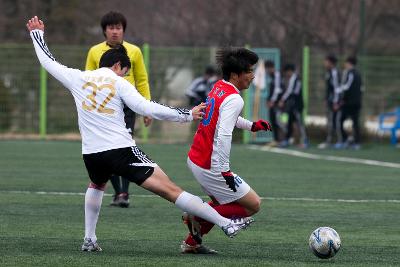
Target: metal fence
171 70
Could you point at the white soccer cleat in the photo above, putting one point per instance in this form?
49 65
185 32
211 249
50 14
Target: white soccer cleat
89 245
236 225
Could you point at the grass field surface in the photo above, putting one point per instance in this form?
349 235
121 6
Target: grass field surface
46 229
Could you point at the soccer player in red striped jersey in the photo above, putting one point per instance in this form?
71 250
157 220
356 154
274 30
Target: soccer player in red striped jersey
208 158
107 146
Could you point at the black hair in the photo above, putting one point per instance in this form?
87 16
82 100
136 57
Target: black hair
235 60
289 67
113 18
115 55
352 60
331 58
269 64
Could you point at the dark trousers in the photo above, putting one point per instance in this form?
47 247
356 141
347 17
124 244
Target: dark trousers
296 116
331 124
274 123
352 112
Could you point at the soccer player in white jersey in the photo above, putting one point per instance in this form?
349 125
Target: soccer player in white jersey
107 146
208 158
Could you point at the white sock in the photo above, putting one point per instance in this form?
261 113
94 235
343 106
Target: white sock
197 207
93 199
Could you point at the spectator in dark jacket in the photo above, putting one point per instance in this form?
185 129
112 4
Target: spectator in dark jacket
349 105
275 92
292 103
331 98
201 86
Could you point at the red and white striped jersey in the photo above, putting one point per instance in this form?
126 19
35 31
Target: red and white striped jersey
212 141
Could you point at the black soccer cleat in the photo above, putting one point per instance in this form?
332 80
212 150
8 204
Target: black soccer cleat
196 249
193 226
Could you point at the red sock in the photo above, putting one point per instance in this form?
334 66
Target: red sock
190 240
227 210
231 210
212 204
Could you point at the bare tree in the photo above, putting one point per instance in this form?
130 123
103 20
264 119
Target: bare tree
330 25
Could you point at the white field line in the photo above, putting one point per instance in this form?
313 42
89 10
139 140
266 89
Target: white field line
305 199
327 157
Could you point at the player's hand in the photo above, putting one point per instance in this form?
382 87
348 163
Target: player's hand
336 106
261 125
35 24
281 104
147 121
197 111
270 104
229 180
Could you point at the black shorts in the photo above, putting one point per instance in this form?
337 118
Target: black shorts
129 162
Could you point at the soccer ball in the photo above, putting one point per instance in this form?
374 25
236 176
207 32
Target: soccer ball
324 242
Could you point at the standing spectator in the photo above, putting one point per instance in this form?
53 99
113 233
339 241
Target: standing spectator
201 86
349 105
292 102
332 98
113 25
274 94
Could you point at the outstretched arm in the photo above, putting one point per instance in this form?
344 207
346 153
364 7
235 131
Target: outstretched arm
60 72
142 106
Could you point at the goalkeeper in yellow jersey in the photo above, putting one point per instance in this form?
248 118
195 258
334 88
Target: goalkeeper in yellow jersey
113 25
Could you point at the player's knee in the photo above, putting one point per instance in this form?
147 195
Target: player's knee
255 206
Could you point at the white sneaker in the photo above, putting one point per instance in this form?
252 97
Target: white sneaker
236 225
323 146
89 245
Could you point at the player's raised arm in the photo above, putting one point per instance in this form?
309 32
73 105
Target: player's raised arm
145 107
60 72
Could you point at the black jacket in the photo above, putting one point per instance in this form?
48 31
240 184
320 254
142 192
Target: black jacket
351 88
332 86
293 95
275 87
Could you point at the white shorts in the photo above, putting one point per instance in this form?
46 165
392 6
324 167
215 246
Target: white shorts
214 184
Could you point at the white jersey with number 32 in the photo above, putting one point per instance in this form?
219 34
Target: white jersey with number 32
100 96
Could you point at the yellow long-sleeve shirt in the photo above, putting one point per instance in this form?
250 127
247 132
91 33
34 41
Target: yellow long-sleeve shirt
137 74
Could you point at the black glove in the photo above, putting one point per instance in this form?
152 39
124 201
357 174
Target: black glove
229 179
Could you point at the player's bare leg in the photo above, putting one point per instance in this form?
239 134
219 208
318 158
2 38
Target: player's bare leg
160 184
251 202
